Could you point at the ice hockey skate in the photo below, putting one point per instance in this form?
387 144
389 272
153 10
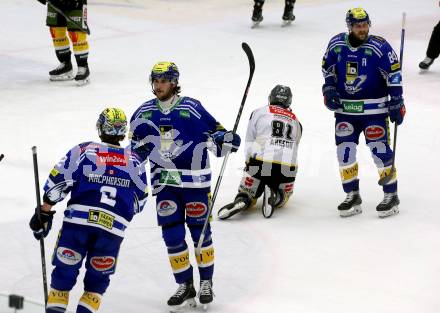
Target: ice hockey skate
268 202
82 76
389 205
183 297
229 210
351 205
63 72
288 16
206 295
426 63
257 15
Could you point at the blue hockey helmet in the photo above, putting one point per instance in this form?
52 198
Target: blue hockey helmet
281 96
167 70
112 122
356 15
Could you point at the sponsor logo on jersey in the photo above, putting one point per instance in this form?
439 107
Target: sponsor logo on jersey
166 208
195 209
353 107
68 256
281 111
147 115
54 172
344 129
395 66
101 218
288 187
102 263
351 72
249 181
374 132
172 178
184 114
110 158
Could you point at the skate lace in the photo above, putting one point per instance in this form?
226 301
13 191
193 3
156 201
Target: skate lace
180 290
349 197
61 66
205 288
387 198
81 70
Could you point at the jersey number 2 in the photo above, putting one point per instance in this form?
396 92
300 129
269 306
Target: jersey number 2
108 195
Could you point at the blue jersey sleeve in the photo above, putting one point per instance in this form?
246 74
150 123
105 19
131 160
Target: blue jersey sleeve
63 176
140 131
389 66
330 59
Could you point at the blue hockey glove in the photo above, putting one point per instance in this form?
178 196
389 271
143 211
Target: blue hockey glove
226 141
42 226
331 98
396 109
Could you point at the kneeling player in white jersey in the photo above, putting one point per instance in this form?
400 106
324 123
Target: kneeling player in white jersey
272 139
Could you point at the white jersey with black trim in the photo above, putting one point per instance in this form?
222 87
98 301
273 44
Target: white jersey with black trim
273 135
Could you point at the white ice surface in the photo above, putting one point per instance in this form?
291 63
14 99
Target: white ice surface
305 259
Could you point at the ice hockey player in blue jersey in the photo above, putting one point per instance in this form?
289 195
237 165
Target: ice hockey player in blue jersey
107 186
363 86
174 132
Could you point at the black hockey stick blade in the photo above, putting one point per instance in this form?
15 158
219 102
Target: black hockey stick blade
250 56
2 156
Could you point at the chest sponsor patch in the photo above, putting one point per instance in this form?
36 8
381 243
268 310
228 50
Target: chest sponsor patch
353 107
102 263
166 208
195 209
101 218
173 178
374 132
68 256
343 129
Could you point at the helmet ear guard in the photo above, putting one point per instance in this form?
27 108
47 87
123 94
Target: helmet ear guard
356 15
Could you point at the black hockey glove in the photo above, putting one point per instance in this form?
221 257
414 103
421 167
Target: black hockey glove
331 98
42 226
226 141
396 109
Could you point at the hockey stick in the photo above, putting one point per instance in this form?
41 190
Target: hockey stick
251 59
386 179
87 29
37 193
2 156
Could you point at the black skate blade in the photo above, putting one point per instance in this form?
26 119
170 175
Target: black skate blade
393 211
187 304
350 212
